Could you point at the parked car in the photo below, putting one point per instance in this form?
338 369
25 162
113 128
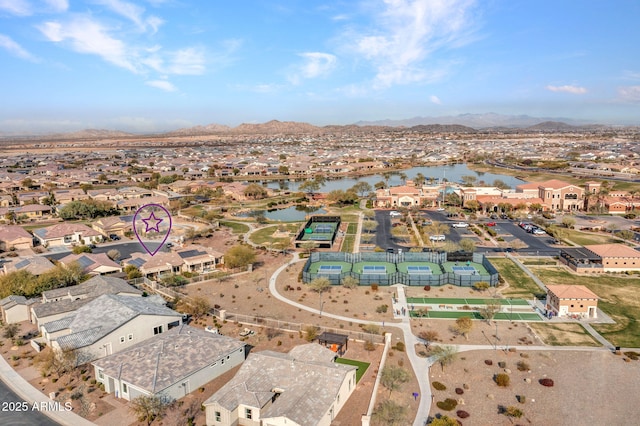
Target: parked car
390 250
437 237
214 330
460 225
440 209
491 224
114 237
394 213
247 332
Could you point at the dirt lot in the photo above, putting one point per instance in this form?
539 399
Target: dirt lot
590 388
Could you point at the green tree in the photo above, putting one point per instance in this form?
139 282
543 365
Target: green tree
10 331
197 306
148 408
468 245
239 256
81 249
445 355
625 234
350 282
320 284
428 336
568 222
393 377
389 413
463 326
132 272
255 191
490 309
362 188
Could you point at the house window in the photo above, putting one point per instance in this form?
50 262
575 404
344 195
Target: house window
218 416
130 336
157 330
222 361
121 339
125 389
248 414
100 375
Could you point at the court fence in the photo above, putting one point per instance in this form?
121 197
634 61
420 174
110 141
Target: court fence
398 277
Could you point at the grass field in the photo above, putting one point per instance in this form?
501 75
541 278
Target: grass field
237 228
585 239
265 235
348 243
352 228
520 284
362 366
619 298
564 334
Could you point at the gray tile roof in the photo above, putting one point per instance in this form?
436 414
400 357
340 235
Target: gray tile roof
167 358
107 313
306 388
95 286
57 325
61 306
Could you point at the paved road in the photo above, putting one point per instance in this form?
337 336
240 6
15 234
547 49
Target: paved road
9 416
383 232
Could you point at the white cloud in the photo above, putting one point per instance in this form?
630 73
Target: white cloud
436 100
189 61
16 7
406 32
629 93
316 64
58 5
162 84
134 13
575 90
15 49
85 35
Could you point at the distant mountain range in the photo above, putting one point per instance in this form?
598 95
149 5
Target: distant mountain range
463 123
476 121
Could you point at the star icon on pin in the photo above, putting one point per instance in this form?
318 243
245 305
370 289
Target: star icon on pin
152 223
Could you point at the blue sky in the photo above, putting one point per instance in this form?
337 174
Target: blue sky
154 65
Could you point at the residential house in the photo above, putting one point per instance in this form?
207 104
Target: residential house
36 265
67 234
162 263
64 196
110 324
169 365
15 237
199 259
60 302
15 309
113 225
406 196
93 263
571 300
304 387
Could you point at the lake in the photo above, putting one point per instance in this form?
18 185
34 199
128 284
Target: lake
453 173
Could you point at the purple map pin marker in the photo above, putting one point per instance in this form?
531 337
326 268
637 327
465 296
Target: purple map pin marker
150 223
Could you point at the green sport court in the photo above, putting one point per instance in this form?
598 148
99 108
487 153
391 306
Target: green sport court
322 267
420 268
319 231
365 268
503 316
464 268
458 301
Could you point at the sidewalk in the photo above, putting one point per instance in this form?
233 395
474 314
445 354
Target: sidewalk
33 396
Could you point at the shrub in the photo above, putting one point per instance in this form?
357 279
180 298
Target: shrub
502 379
523 366
382 309
521 399
374 287
488 362
462 414
459 391
427 288
546 382
447 405
502 364
369 346
632 355
399 347
438 386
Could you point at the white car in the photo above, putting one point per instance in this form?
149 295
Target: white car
460 225
437 238
394 213
440 209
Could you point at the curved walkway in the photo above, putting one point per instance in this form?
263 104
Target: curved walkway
420 365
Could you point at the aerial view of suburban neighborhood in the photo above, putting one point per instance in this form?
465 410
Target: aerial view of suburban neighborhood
288 213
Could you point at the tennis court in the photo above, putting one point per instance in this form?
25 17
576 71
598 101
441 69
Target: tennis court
464 268
319 231
464 301
419 268
330 268
374 268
